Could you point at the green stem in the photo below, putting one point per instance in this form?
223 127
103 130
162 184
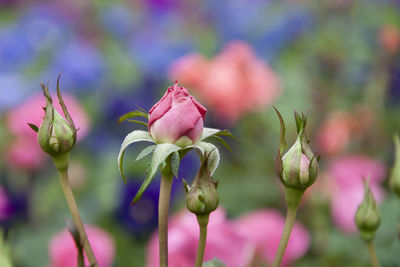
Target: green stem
290 219
372 254
203 222
69 197
163 207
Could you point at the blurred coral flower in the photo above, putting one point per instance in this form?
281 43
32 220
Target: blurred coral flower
340 127
63 252
233 83
389 37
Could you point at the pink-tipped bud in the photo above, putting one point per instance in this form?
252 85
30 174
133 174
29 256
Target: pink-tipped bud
298 168
177 118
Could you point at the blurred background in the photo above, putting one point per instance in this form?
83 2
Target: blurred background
338 61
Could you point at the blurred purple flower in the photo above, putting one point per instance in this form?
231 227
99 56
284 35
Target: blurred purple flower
13 89
13 206
153 48
162 4
142 217
394 85
45 27
81 64
283 30
118 20
15 50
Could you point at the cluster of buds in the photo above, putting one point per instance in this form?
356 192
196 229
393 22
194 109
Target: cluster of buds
298 168
56 135
202 196
367 216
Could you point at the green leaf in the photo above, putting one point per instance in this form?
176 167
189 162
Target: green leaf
225 133
33 127
212 151
161 153
138 122
133 137
145 152
133 114
175 161
214 263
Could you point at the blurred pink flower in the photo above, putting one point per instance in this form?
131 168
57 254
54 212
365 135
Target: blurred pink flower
347 173
222 241
24 152
63 252
263 228
233 242
233 83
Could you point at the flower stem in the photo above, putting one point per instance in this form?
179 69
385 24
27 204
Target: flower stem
69 197
203 222
372 254
290 219
163 207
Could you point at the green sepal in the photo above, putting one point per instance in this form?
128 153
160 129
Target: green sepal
279 167
282 141
133 114
33 127
64 107
222 141
175 161
160 154
301 122
138 122
208 132
204 148
186 186
133 137
145 152
214 263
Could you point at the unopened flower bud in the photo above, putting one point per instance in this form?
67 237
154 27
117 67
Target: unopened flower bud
395 176
298 168
202 196
56 135
367 217
177 118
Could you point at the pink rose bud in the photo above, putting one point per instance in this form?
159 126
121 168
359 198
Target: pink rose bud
177 118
